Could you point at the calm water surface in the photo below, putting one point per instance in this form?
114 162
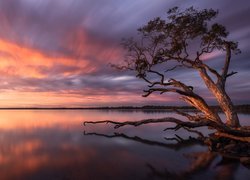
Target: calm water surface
55 145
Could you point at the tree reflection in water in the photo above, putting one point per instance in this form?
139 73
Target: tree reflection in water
199 161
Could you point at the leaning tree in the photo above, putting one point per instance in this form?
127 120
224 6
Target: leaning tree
183 40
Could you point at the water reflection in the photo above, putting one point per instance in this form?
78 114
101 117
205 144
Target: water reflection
181 143
52 145
200 162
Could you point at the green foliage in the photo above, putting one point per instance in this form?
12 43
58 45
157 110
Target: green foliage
164 40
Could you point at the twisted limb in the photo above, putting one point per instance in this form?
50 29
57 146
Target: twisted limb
242 134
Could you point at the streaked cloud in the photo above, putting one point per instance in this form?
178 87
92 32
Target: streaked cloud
57 53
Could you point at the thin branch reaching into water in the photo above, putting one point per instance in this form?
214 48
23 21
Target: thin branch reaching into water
183 143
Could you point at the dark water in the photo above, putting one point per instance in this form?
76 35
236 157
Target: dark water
52 145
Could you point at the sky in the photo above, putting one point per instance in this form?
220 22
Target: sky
56 53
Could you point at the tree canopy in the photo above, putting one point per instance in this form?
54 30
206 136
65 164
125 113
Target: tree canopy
182 40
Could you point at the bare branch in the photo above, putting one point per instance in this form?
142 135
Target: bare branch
188 116
240 132
231 74
173 68
213 71
181 124
133 123
200 104
200 135
159 74
188 89
227 61
148 81
164 90
159 83
101 122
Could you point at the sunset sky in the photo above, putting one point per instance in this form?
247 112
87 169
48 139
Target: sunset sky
56 53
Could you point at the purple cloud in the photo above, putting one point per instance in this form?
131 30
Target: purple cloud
79 38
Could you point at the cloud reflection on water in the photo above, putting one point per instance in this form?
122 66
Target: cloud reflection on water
51 145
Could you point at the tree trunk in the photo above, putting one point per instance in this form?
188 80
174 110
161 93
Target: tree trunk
228 108
203 107
223 100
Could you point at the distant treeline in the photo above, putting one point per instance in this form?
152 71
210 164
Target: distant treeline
240 108
243 108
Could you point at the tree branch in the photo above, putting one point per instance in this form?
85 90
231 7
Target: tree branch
231 74
164 90
175 83
213 71
188 116
159 74
240 132
227 60
224 73
133 123
173 68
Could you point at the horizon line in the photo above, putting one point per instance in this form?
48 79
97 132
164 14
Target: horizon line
111 107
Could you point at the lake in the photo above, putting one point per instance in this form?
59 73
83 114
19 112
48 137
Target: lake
54 144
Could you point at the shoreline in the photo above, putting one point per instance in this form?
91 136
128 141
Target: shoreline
239 108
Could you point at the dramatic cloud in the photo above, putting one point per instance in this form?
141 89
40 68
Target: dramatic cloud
57 52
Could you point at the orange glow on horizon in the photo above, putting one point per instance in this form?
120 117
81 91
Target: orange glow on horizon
16 60
10 99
